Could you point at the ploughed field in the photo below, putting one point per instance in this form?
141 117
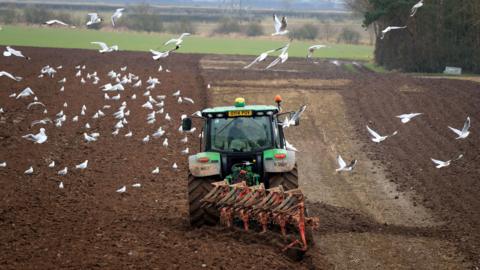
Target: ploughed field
395 210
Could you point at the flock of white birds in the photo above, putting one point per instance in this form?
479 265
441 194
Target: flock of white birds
112 91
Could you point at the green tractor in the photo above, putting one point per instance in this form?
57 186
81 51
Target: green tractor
241 143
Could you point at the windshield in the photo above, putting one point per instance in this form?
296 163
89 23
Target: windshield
242 134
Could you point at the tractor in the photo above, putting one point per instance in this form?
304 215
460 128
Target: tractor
246 172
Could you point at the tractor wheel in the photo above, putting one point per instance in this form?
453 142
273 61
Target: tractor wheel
197 189
289 180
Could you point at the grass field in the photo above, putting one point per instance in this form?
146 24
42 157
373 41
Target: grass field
132 41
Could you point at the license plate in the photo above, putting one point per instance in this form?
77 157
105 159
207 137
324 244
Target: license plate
239 113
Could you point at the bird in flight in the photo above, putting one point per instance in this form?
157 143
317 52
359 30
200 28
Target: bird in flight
416 7
104 48
462 134
280 26
390 28
342 165
117 15
377 137
178 40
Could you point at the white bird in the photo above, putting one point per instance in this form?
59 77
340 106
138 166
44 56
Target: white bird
159 133
377 137
35 103
176 94
390 28
313 48
117 15
290 147
129 134
39 138
188 100
63 172
3 164
157 55
89 138
342 166
115 132
52 22
441 164
25 93
180 100
104 48
134 96
462 134
60 186
146 139
63 80
137 185
156 170
122 189
185 151
259 59
15 78
52 164
167 117
280 26
416 7
405 118
184 140
178 40
62 89
65 105
117 97
137 84
281 58
87 125
94 19
75 118
82 165
165 142
148 105
29 170
175 166
10 51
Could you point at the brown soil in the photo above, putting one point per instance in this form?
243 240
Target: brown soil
395 211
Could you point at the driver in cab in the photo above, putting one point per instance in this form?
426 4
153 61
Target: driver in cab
236 136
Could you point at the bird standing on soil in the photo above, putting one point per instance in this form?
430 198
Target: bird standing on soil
117 15
342 165
178 40
29 170
462 134
280 26
259 59
63 172
104 48
390 28
312 49
377 137
405 118
122 189
10 51
94 19
441 164
82 165
15 78
416 7
39 138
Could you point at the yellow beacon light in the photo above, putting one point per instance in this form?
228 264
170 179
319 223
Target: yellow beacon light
240 102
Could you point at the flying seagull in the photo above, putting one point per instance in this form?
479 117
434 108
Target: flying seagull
259 59
104 48
10 51
390 28
157 55
405 118
15 78
94 19
117 15
313 48
52 22
342 166
281 58
178 40
280 26
377 137
39 138
416 7
462 134
441 164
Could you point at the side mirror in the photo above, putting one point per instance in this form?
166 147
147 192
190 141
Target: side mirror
187 124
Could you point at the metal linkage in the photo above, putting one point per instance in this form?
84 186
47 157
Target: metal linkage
265 206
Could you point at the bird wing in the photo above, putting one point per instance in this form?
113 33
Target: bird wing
438 162
113 19
273 63
102 45
277 23
284 24
466 126
458 132
374 134
184 35
173 40
341 162
252 63
298 113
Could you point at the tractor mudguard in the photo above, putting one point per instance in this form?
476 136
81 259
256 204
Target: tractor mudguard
204 164
278 160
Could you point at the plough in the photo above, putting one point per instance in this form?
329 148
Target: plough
269 208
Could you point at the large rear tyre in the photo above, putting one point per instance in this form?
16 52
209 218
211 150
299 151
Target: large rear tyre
289 180
197 189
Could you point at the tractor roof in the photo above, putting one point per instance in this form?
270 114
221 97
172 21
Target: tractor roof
254 108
